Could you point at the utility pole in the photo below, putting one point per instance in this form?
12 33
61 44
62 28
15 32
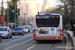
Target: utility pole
69 19
17 16
15 12
66 15
7 14
24 18
2 12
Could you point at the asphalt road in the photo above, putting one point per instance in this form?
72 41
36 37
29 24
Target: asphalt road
26 42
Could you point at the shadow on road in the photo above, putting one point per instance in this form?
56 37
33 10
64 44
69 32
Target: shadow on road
49 42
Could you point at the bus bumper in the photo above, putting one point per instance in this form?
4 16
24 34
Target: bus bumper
48 38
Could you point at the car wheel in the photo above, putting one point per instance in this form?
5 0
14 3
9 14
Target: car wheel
24 32
28 31
11 36
0 38
8 37
21 34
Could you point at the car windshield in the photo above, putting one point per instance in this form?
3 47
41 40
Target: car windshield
17 29
3 29
26 25
21 27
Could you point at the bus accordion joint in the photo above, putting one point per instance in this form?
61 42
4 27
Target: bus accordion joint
34 32
60 31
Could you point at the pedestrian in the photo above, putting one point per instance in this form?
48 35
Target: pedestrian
16 25
13 26
10 26
73 29
66 27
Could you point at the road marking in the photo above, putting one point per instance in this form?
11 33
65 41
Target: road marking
16 39
18 44
50 47
31 47
53 47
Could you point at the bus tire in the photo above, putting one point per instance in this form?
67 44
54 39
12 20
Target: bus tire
60 40
38 41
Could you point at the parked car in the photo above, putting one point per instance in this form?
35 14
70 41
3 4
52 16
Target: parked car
31 26
17 31
0 37
5 32
24 29
28 27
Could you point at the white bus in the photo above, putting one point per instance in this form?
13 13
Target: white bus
48 27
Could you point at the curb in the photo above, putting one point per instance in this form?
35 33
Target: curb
70 38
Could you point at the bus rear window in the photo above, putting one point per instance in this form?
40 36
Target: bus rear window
47 21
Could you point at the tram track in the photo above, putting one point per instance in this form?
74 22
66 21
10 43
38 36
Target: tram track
51 47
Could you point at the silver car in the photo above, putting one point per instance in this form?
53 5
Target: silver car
0 37
28 27
5 32
24 29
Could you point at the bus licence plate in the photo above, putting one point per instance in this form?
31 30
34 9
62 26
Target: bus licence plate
47 36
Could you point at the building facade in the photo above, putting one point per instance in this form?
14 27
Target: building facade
29 7
38 7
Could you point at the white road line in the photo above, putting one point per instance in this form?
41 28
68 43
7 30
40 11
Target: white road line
50 47
16 39
17 44
31 47
53 47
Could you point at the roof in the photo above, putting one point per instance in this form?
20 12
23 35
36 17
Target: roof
4 27
49 14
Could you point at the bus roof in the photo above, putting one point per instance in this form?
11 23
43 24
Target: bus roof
50 14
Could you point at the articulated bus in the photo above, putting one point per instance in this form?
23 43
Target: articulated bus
48 27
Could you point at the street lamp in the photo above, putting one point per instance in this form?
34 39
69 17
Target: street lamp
12 16
7 14
24 18
2 12
69 19
17 17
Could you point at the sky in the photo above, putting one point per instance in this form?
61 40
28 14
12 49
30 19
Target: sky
52 2
4 3
39 1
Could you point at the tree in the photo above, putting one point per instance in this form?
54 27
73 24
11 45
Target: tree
70 3
11 14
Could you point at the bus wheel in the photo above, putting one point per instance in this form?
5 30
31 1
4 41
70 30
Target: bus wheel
39 41
60 40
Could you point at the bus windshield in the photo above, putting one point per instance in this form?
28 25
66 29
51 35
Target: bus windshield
47 21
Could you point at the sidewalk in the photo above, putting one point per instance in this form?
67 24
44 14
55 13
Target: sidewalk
67 45
74 42
71 34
